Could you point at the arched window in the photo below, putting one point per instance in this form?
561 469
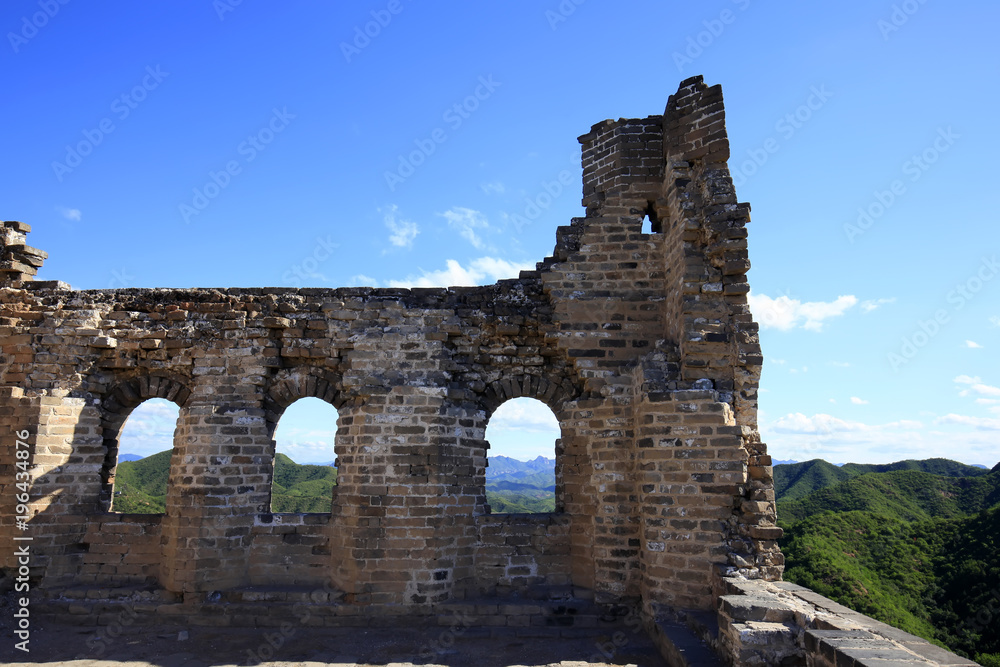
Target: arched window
145 443
305 458
522 435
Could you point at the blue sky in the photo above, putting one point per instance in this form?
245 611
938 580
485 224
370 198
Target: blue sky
220 144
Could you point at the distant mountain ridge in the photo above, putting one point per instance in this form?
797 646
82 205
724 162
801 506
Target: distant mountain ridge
521 487
910 495
792 481
504 465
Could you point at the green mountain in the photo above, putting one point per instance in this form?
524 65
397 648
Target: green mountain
917 549
141 486
795 480
521 487
943 467
512 486
301 488
909 495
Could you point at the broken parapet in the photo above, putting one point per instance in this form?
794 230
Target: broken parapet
780 623
19 262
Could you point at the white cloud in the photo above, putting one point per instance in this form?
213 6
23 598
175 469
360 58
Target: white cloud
841 364
402 231
980 423
977 386
361 280
871 304
149 428
973 344
73 214
306 431
798 423
481 271
992 404
800 437
466 221
493 188
523 428
858 401
995 320
524 414
306 445
785 313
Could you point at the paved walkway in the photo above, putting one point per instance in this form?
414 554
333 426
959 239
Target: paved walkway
59 644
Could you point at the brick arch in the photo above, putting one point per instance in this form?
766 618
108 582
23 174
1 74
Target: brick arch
118 403
292 384
551 393
127 393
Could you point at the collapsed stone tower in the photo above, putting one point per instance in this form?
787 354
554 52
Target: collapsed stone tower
642 344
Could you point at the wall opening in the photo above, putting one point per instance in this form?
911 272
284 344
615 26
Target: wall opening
144 445
650 221
305 458
522 438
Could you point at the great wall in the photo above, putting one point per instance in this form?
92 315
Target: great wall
642 344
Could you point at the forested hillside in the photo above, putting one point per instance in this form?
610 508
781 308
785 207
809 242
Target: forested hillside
141 486
915 544
521 487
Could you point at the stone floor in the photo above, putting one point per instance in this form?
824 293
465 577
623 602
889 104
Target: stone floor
65 644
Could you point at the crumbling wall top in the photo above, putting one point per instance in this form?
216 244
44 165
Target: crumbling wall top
19 262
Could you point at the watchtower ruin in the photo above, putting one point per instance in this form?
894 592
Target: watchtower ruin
642 344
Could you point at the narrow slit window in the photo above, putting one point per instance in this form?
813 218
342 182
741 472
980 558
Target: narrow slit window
650 222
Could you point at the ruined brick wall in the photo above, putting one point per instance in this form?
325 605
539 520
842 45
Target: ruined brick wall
642 345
